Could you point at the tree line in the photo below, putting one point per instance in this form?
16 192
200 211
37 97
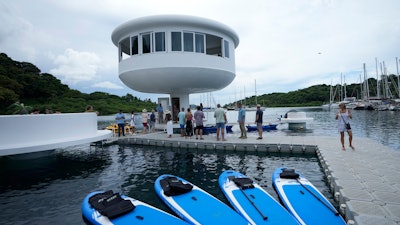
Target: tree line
24 87
316 95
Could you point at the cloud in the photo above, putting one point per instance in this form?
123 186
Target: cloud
74 66
107 85
279 40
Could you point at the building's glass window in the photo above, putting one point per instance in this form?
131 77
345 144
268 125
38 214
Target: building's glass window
199 41
160 41
213 45
180 41
146 43
135 45
124 49
226 49
188 42
176 41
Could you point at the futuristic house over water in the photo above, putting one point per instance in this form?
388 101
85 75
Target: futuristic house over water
176 55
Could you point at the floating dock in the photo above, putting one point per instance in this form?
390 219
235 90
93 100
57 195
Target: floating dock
365 182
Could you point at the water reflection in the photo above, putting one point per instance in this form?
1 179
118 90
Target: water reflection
50 189
23 172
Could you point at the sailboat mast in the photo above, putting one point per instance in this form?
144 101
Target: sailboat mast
341 87
398 77
386 82
255 89
377 79
366 83
345 87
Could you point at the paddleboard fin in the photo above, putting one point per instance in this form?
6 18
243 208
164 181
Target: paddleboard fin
173 186
111 204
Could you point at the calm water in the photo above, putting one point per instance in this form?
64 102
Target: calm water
49 189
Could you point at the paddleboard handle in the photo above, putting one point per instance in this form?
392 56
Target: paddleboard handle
246 183
258 210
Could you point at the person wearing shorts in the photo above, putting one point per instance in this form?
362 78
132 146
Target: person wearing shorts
181 117
220 121
145 117
259 121
198 117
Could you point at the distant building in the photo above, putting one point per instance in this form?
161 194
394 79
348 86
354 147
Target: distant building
176 55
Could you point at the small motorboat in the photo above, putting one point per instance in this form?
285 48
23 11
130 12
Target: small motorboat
296 120
266 127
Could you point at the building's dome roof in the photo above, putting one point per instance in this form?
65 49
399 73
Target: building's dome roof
166 20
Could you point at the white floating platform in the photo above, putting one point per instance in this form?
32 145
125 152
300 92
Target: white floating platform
40 132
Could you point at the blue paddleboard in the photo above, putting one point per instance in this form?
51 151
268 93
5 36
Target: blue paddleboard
303 199
107 208
252 201
193 204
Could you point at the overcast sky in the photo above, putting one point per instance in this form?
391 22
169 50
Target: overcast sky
285 45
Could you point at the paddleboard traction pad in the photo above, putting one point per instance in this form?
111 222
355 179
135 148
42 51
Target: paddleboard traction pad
289 174
172 186
111 204
242 182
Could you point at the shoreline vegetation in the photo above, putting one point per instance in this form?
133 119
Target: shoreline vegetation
24 88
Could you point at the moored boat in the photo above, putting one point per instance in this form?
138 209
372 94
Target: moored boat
296 120
266 127
209 129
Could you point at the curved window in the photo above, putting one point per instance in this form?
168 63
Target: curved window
176 41
135 45
179 41
124 50
213 45
146 40
188 42
160 41
199 41
226 49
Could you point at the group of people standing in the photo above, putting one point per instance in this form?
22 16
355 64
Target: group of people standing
148 121
186 120
220 120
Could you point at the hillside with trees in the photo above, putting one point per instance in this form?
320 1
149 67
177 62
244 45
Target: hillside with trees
23 86
316 95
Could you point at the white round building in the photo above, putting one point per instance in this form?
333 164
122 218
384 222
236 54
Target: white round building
176 55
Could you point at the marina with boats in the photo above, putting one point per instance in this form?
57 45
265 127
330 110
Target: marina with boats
382 96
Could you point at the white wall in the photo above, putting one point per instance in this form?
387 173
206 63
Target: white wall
28 133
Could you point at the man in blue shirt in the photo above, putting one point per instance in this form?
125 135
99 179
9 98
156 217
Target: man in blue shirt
259 121
241 121
160 112
181 117
120 118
